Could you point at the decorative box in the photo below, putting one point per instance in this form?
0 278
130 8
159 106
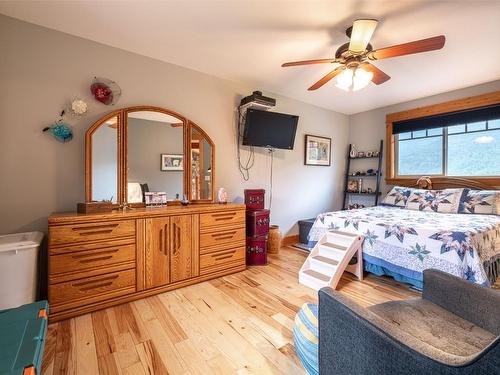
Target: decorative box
254 199
256 251
257 222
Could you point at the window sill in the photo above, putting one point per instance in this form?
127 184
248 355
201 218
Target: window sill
449 182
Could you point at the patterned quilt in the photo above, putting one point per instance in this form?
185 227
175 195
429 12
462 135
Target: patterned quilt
408 242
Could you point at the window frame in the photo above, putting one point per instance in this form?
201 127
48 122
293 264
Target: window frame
392 176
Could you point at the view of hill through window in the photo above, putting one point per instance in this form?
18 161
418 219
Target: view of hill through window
471 151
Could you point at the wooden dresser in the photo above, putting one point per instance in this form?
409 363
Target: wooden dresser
99 260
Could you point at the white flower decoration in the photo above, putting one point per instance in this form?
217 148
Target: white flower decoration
79 107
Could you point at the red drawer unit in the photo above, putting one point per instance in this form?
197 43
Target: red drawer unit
256 251
257 222
254 199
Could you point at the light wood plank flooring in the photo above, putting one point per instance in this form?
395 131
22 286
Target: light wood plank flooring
238 324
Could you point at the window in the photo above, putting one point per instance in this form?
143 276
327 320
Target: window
470 149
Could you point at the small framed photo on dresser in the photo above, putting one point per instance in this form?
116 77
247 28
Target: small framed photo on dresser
318 150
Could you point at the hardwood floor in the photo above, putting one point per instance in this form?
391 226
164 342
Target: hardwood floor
237 324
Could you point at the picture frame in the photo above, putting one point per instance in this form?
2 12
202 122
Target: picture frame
172 162
318 150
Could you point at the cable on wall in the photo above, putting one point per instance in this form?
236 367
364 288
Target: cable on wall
271 154
245 167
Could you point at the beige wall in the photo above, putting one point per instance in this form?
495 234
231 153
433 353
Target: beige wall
41 70
366 129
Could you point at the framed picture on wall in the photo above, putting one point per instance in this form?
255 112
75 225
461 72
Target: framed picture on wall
172 162
318 150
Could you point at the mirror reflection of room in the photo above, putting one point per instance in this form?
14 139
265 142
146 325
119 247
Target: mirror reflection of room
201 161
105 162
155 157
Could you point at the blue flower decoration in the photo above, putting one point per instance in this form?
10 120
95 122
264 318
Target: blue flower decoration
60 131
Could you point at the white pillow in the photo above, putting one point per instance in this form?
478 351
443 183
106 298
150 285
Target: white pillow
444 201
397 197
485 202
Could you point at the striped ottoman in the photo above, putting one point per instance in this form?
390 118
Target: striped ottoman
305 337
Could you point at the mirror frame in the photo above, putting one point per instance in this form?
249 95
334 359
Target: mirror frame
122 166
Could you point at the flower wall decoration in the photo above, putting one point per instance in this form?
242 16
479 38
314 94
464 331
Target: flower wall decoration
60 130
78 107
105 91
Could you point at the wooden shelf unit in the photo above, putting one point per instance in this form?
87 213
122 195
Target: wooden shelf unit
348 175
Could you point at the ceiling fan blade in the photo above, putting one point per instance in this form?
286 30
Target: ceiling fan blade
423 45
309 62
379 76
326 78
362 31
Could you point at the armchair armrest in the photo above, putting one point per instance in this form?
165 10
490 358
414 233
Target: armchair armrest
471 302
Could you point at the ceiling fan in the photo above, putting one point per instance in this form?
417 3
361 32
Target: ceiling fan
356 71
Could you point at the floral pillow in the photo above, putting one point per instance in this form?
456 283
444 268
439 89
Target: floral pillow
485 202
444 201
397 197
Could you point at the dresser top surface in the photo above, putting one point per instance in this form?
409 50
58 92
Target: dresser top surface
71 217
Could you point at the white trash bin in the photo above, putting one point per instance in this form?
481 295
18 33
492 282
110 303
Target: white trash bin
19 268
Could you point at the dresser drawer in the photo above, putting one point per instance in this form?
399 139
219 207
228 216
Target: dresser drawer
215 219
221 260
92 287
102 230
98 256
233 235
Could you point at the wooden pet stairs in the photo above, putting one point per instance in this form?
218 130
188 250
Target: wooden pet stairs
329 259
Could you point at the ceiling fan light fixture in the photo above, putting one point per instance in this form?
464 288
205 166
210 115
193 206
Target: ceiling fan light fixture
362 31
353 79
344 79
361 79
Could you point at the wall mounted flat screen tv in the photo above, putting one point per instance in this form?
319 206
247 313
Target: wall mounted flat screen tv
269 129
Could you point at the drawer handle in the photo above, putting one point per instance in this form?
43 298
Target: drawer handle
224 255
87 288
81 256
224 214
90 260
224 235
95 257
96 232
109 227
109 279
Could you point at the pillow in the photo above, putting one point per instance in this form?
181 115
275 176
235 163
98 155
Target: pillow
486 202
444 201
397 197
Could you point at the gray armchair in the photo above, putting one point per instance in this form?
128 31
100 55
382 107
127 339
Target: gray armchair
453 329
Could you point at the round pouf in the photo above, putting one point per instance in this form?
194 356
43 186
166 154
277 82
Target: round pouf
305 337
274 242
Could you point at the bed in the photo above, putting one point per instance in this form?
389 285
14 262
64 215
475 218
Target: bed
402 243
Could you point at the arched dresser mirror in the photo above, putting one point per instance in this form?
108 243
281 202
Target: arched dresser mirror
145 155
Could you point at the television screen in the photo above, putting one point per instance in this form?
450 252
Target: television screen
269 129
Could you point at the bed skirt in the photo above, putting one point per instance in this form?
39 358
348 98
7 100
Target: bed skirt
383 271
492 271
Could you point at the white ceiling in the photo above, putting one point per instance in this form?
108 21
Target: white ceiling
247 41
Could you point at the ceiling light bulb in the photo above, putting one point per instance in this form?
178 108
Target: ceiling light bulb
344 79
361 79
